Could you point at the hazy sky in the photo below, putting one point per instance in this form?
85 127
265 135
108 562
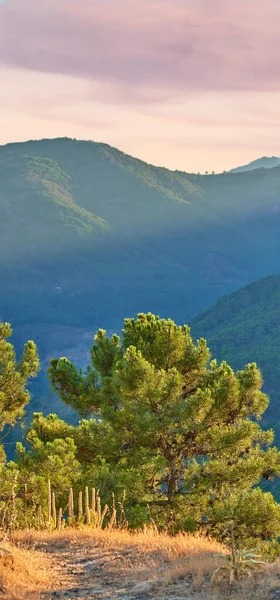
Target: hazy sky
188 84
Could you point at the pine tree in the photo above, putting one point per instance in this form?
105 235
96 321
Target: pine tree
186 427
14 377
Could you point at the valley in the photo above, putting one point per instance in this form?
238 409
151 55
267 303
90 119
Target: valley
89 235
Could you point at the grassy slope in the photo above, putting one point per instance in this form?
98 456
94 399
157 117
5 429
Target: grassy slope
26 574
117 564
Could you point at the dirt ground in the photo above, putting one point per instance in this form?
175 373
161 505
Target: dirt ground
118 566
91 572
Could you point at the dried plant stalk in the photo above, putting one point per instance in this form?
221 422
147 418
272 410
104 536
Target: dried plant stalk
98 509
59 520
103 515
53 510
87 510
80 506
49 501
113 519
93 500
71 505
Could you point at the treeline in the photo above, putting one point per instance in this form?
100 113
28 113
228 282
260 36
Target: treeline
175 433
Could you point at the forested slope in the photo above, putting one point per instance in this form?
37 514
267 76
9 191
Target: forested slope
245 327
89 235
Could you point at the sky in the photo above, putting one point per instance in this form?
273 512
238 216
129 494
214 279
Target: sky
186 84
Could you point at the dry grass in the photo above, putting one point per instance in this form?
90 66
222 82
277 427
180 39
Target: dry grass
146 556
164 566
197 551
24 574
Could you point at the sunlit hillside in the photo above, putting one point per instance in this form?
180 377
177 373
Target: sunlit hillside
89 235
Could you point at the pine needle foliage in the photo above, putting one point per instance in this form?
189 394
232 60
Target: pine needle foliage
14 376
181 430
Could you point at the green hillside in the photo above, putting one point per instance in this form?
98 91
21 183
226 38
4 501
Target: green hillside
89 235
84 225
245 327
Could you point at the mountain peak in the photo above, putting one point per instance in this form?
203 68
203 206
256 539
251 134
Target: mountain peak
265 162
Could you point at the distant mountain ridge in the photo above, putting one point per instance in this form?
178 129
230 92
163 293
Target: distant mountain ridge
266 162
90 235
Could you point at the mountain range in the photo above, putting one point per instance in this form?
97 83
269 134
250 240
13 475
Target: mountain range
90 235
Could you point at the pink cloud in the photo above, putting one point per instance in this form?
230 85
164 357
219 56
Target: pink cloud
147 49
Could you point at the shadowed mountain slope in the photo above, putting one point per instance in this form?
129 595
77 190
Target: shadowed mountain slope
89 235
245 327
